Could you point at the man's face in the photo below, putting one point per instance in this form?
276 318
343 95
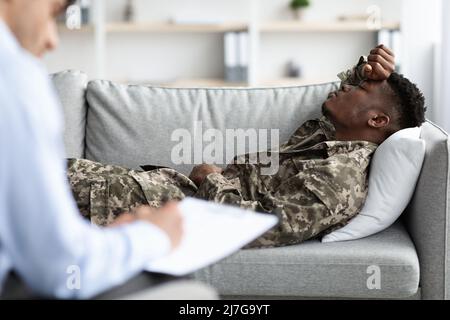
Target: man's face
349 106
33 22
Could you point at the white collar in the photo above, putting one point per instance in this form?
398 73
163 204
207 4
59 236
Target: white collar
7 38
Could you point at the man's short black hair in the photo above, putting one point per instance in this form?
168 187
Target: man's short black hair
410 102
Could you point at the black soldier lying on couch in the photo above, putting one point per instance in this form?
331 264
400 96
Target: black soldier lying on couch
323 168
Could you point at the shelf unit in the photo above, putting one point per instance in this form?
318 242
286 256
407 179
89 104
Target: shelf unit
256 29
270 27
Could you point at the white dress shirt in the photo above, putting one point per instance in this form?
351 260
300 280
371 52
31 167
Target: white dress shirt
43 238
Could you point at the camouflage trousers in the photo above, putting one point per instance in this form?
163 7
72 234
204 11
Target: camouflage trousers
102 192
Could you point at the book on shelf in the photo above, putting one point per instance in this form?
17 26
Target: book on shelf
243 58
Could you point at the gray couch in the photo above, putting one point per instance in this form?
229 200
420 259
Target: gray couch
132 126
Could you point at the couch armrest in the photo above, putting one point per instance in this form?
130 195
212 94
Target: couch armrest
427 217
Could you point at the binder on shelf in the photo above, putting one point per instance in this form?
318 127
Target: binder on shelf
236 46
243 56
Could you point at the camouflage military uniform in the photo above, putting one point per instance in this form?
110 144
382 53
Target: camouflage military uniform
320 185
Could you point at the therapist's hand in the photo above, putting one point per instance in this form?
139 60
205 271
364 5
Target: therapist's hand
124 218
167 218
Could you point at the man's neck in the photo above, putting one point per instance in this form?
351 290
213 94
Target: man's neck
352 135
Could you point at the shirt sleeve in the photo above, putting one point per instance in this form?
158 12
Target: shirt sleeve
55 251
354 76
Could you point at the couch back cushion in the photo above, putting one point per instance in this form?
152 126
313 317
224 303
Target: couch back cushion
133 125
71 89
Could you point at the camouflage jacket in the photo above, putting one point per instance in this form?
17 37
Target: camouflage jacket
320 185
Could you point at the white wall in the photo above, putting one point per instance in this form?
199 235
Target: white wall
76 51
421 25
442 111
321 56
165 57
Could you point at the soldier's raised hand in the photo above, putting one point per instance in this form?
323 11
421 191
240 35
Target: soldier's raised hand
381 63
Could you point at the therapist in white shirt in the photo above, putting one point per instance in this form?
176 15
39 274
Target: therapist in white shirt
43 238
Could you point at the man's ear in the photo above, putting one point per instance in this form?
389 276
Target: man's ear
379 120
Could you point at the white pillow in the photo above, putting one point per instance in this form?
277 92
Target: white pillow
394 171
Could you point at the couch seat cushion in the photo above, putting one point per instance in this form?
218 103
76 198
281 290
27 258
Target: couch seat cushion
314 269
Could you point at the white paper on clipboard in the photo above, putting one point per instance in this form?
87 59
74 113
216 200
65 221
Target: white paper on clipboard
211 233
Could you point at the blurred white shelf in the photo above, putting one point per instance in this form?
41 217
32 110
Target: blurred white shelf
322 26
266 27
175 28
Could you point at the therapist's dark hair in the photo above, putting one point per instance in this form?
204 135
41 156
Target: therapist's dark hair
70 2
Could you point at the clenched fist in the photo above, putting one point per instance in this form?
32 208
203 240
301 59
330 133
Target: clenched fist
381 63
